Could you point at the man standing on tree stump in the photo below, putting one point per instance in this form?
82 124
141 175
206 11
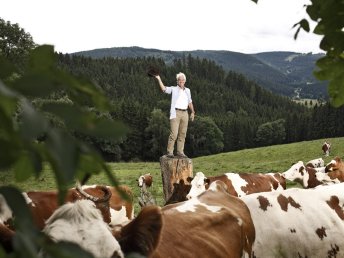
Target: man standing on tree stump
179 116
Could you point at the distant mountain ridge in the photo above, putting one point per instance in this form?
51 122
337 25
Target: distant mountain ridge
284 73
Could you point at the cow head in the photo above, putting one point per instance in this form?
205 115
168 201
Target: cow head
102 203
82 223
142 234
198 185
295 173
146 179
333 164
325 178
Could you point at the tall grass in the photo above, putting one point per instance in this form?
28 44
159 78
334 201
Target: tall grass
277 158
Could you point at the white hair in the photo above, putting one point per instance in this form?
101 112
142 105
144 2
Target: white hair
179 75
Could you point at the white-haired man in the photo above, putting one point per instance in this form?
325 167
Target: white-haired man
179 116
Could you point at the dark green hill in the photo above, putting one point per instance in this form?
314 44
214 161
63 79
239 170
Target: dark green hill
283 73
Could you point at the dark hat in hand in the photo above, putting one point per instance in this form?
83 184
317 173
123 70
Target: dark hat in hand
152 72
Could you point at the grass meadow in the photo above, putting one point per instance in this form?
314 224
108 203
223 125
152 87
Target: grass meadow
277 158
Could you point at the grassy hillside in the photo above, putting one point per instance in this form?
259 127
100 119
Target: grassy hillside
276 158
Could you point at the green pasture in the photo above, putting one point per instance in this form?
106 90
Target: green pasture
277 158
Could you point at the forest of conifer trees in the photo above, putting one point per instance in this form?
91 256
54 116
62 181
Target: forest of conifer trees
232 112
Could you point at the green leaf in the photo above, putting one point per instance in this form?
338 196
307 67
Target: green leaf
36 84
336 91
23 168
21 212
66 250
33 124
297 33
90 163
63 151
83 91
106 129
313 12
86 122
304 25
26 239
5 91
42 58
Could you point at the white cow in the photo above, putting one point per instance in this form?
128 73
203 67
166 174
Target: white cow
298 222
82 223
238 184
316 163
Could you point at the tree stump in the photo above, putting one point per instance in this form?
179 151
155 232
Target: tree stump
172 171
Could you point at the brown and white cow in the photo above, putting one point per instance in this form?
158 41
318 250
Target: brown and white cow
334 172
308 177
298 222
326 148
121 203
315 163
213 224
81 223
43 203
303 175
114 208
145 179
145 182
335 164
239 184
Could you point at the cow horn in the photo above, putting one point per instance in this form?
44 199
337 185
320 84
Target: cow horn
107 193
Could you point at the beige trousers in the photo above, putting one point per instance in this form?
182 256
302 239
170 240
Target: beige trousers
179 126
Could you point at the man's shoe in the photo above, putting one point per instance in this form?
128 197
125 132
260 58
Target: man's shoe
169 155
181 155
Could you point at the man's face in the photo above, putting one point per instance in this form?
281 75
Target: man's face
181 82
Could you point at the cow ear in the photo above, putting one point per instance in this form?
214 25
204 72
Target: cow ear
189 179
206 181
142 234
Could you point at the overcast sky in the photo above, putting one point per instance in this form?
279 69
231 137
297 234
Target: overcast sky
234 25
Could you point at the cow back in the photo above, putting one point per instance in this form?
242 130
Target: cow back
43 203
122 197
298 222
214 224
240 184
